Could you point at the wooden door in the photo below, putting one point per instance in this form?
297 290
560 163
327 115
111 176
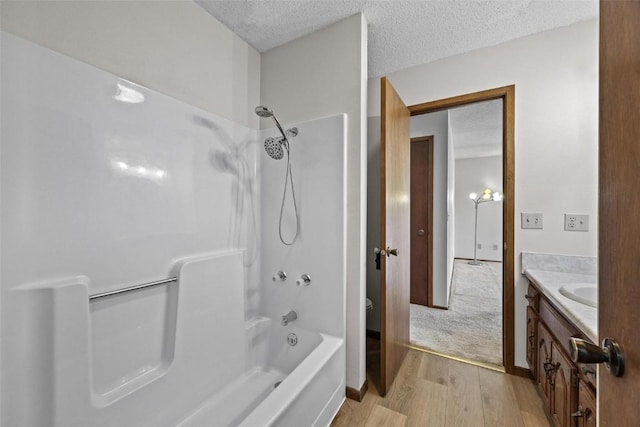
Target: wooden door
421 236
394 223
619 207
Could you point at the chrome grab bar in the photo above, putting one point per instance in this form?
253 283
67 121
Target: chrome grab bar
132 288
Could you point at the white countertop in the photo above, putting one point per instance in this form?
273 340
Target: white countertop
582 316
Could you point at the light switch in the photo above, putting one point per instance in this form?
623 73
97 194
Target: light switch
532 221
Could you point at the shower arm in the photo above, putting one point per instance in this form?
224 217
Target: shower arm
284 135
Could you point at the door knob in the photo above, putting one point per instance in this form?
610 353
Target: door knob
421 232
388 252
610 354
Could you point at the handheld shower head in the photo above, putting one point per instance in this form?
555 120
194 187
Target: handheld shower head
266 112
263 111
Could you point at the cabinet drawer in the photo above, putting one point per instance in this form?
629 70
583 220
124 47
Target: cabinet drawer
561 329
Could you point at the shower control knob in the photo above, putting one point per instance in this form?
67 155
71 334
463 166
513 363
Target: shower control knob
305 280
280 276
292 132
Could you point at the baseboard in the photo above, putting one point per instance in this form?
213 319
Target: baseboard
479 259
373 334
439 307
357 395
522 372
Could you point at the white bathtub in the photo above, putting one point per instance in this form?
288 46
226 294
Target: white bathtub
310 378
174 355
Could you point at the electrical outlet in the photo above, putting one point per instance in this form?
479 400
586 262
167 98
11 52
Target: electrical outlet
532 220
495 247
479 245
576 222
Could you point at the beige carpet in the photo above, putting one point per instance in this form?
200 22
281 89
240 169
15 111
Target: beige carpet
472 327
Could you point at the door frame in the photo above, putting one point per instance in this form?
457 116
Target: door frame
429 225
507 94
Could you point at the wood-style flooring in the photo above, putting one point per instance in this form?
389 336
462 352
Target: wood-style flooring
435 391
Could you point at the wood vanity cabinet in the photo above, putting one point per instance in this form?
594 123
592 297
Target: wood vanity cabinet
567 389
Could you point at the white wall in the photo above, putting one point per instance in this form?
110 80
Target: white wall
174 47
556 131
451 206
318 75
473 176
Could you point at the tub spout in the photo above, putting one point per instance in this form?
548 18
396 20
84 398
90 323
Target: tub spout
289 317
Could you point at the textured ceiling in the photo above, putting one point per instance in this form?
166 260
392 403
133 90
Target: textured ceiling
401 33
477 129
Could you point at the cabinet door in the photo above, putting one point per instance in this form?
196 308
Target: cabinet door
586 414
544 362
564 384
532 339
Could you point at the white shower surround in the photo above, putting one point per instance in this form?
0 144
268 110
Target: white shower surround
99 194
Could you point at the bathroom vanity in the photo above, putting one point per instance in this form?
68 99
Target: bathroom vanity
561 306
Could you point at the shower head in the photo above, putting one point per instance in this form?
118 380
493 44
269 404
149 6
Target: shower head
266 112
273 147
263 111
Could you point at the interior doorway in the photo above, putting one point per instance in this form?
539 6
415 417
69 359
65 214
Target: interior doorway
502 267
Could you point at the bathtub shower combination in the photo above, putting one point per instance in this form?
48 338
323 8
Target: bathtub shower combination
162 266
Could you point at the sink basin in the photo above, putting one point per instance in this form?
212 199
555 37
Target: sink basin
584 293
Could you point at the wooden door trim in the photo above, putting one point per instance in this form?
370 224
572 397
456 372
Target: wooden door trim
507 94
430 221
